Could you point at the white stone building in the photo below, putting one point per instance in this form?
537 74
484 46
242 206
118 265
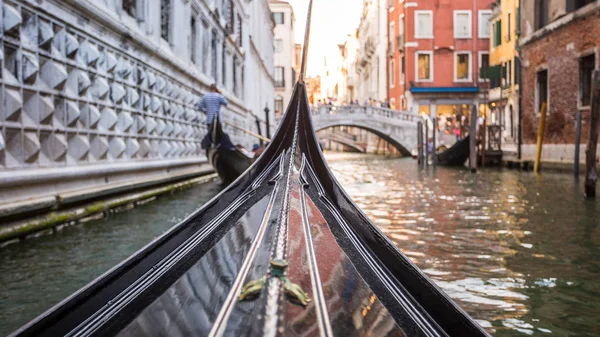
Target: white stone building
372 54
349 81
260 94
101 94
285 53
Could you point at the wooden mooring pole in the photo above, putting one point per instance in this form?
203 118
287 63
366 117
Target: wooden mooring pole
540 138
434 134
473 139
426 143
420 144
590 156
577 145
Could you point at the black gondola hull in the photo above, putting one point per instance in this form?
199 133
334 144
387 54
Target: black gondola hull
286 210
456 155
229 164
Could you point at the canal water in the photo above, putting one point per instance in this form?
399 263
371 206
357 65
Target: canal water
520 253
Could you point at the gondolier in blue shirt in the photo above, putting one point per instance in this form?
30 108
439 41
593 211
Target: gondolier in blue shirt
211 103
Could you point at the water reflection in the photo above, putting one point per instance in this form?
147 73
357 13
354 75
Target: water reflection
38 273
519 253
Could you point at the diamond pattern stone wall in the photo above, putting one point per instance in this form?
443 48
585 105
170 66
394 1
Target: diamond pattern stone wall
68 97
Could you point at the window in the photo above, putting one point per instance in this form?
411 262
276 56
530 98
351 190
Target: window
497 33
392 74
230 26
484 24
130 7
224 64
213 57
278 105
402 69
391 35
278 17
587 65
278 45
293 75
279 77
194 40
541 90
484 65
165 19
205 46
508 73
234 71
573 5
423 24
462 24
424 66
462 66
541 13
508 28
240 31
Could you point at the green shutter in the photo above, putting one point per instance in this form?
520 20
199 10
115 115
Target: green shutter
493 73
498 32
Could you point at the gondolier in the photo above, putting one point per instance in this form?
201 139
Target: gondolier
211 104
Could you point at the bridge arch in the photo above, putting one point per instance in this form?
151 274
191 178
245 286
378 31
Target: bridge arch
404 150
398 128
354 147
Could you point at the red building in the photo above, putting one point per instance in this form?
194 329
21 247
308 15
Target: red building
435 51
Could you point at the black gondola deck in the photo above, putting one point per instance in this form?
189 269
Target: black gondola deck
282 251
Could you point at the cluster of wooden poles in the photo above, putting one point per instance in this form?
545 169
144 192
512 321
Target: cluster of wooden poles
591 176
423 142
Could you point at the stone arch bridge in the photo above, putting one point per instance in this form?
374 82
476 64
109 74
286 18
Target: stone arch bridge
398 128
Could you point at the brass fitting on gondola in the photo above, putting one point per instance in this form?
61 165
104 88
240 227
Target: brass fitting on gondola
293 291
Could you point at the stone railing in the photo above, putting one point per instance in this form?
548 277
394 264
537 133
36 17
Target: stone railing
368 110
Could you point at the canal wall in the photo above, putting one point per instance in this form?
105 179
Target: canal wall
95 103
52 221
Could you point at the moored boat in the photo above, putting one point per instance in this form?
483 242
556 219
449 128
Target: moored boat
228 160
282 251
456 155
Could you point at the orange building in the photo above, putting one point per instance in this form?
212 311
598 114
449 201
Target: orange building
435 51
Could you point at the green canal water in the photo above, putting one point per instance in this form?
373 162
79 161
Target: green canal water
520 253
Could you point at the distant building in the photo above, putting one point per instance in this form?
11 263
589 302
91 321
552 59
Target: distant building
559 46
434 52
372 52
259 81
348 85
313 89
503 97
285 52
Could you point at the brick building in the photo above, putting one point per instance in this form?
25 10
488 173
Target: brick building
559 49
435 51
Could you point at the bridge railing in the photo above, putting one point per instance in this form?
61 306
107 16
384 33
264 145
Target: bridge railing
366 110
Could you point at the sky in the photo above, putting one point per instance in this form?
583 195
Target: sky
332 21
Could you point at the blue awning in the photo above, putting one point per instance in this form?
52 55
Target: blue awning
435 90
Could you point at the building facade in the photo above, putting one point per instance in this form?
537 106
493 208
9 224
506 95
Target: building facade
259 94
435 49
102 94
503 71
372 52
286 67
348 85
559 48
